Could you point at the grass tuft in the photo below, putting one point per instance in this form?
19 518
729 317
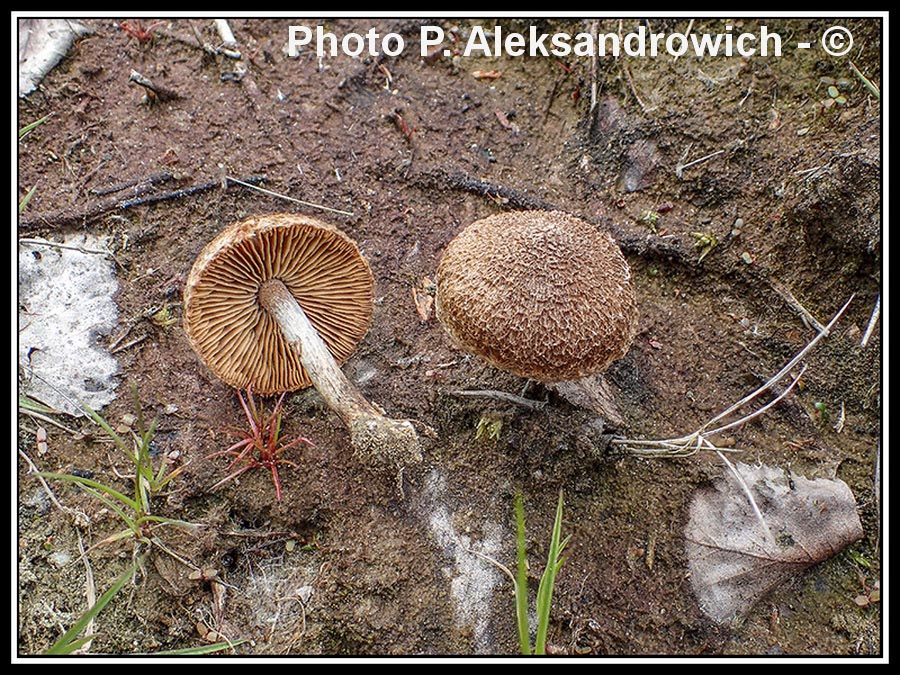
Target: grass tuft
135 510
548 580
70 641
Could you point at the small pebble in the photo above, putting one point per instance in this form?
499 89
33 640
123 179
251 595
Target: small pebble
304 593
60 558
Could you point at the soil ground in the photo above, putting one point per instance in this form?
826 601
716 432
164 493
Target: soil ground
351 562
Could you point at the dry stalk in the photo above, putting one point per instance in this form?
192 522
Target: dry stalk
690 444
90 592
232 179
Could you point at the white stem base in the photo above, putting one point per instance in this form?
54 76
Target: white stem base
375 438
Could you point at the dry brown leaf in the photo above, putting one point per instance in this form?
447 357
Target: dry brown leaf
423 300
505 123
735 559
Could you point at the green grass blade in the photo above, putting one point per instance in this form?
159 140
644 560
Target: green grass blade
75 645
69 642
120 443
94 484
27 198
184 524
866 81
118 536
521 578
164 479
26 403
111 504
28 128
548 579
199 651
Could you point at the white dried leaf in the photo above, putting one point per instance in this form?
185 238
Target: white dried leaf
733 560
42 44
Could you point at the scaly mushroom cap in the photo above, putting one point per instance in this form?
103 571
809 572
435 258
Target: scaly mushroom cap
237 338
541 294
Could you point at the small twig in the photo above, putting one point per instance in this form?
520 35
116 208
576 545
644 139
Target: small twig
866 81
165 549
627 71
686 33
141 185
290 199
53 244
808 319
457 180
876 312
44 418
839 425
65 217
130 325
551 98
134 342
501 395
229 46
204 45
153 91
225 33
258 534
494 562
187 192
90 592
680 168
80 519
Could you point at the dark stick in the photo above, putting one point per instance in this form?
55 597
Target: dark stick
641 245
154 92
457 180
65 217
140 185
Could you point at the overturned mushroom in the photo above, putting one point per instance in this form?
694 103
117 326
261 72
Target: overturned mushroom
541 294
276 303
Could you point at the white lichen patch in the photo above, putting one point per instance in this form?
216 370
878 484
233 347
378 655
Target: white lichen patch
473 579
65 308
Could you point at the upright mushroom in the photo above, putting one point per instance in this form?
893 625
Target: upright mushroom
276 303
541 294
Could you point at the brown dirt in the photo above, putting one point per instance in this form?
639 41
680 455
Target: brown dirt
381 575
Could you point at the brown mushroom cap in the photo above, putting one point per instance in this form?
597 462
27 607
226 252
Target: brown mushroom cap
236 337
541 294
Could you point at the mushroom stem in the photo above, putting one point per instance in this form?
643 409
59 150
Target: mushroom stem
374 436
